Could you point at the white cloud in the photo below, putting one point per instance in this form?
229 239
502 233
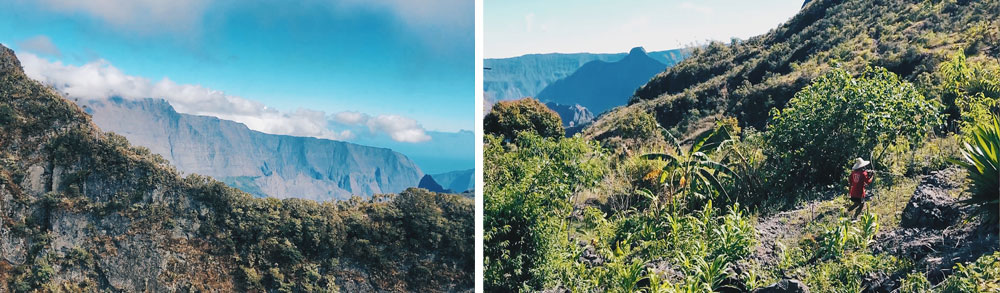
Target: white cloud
101 80
400 128
137 15
40 45
350 117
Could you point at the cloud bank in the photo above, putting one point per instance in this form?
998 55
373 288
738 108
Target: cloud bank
101 80
137 15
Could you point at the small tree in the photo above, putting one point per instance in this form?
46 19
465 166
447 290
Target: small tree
508 118
839 117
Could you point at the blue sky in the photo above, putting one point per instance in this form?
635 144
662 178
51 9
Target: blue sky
518 27
285 68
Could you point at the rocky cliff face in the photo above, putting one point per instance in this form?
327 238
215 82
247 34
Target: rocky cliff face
262 164
82 210
457 181
572 115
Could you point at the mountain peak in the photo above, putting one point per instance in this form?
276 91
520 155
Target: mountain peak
8 61
637 51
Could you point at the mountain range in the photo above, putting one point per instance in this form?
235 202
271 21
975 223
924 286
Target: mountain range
82 210
262 164
527 75
601 85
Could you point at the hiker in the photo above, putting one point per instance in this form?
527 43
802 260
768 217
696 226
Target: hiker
859 179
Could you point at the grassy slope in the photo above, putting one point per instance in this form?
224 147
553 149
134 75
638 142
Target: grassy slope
748 78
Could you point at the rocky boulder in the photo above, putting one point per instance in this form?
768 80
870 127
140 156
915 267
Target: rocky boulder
931 206
785 286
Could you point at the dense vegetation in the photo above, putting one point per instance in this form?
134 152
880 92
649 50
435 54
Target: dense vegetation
728 171
508 118
83 210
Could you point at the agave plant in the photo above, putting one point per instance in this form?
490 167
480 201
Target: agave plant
980 158
691 173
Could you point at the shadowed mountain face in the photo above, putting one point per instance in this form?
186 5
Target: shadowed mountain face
457 181
261 164
601 85
526 76
428 183
572 115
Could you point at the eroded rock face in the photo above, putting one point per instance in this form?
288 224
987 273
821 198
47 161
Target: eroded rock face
785 286
931 206
933 231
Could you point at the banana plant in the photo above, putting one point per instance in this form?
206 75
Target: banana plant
690 173
980 158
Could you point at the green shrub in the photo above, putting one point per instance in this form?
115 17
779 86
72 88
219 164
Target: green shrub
639 125
838 118
915 282
981 159
980 276
968 91
691 176
529 193
508 118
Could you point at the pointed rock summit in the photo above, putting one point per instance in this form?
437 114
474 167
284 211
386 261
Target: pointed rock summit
8 61
600 85
637 51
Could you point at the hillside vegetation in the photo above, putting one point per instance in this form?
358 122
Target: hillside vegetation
728 172
83 210
747 78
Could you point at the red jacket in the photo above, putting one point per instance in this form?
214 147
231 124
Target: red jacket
859 179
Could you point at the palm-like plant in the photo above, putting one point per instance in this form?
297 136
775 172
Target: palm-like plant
980 158
691 173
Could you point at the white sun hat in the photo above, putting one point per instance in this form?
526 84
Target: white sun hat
860 163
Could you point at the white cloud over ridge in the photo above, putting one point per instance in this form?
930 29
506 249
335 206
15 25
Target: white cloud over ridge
400 128
101 80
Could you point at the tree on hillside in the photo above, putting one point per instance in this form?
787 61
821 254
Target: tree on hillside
508 118
840 117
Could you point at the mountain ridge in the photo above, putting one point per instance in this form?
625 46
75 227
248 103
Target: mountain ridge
526 75
601 85
83 210
278 166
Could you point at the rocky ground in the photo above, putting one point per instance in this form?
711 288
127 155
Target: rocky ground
933 232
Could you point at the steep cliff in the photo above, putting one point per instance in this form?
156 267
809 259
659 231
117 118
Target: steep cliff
457 181
262 164
82 210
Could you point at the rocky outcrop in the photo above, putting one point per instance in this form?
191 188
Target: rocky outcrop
785 286
933 231
931 206
262 164
572 115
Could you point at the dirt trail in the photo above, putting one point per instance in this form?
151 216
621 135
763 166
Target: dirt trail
932 230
